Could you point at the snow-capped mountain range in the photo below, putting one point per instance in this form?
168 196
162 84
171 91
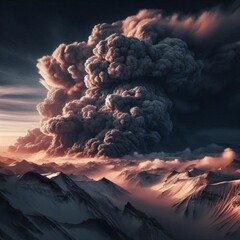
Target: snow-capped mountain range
59 201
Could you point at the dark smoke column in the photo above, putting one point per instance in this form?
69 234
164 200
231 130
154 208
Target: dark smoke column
113 95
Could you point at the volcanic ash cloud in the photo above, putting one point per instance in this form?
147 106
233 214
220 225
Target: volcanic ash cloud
114 94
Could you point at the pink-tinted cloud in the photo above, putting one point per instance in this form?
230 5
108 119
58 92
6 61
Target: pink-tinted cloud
19 90
215 163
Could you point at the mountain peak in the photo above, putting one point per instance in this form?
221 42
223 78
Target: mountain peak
105 180
30 177
216 177
113 187
129 208
195 172
173 173
235 164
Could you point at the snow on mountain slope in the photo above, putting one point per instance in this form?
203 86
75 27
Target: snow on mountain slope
217 204
90 229
57 208
144 178
14 225
177 186
33 193
93 229
53 205
142 226
105 188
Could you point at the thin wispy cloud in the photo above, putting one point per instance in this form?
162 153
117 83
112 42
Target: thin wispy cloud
19 90
18 111
19 116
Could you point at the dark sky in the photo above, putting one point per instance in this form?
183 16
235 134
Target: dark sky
31 29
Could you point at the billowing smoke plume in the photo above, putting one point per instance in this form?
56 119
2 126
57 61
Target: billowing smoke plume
117 93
